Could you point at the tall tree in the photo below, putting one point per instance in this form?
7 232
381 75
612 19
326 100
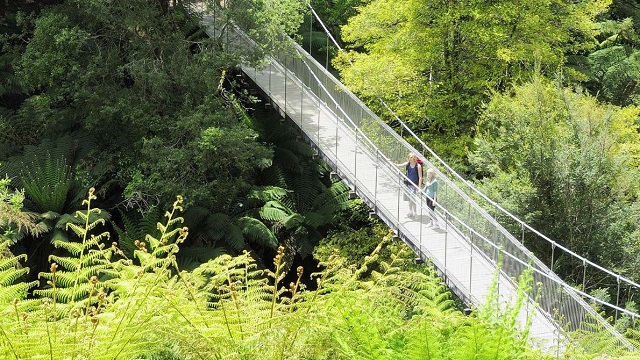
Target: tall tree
435 61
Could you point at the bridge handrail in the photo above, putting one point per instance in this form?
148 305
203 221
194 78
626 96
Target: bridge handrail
552 243
572 292
542 271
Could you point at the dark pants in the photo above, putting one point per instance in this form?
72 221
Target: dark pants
431 204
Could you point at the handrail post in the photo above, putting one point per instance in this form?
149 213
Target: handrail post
420 202
336 150
375 187
470 262
355 161
400 193
617 298
285 84
327 52
318 128
301 101
310 32
584 275
553 251
446 241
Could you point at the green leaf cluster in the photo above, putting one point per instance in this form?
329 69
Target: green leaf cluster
566 164
436 62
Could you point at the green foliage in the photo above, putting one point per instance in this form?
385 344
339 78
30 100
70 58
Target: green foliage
614 67
13 220
90 261
87 324
11 274
355 236
227 308
434 62
134 71
268 23
335 14
297 199
565 164
136 228
49 175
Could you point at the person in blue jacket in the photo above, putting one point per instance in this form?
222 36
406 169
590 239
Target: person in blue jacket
431 190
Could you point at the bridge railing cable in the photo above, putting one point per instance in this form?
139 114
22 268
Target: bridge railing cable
455 206
588 275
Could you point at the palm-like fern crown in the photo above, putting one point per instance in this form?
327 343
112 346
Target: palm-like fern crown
46 173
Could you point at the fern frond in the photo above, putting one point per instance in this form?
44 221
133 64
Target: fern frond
8 277
292 221
274 176
165 250
66 262
72 247
74 297
10 272
288 159
316 219
8 260
256 231
191 257
16 291
274 211
136 230
268 193
234 237
64 279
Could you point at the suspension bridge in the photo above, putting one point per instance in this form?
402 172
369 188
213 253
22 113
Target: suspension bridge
469 242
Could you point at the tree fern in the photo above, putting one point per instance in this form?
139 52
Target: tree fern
232 232
48 183
257 232
46 173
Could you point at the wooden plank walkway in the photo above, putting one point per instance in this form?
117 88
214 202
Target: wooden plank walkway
466 270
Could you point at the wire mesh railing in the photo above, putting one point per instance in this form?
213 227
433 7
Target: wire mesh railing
588 275
458 204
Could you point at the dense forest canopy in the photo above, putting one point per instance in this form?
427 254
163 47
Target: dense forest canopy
437 62
109 109
105 95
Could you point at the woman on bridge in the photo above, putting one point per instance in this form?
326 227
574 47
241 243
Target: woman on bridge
414 173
